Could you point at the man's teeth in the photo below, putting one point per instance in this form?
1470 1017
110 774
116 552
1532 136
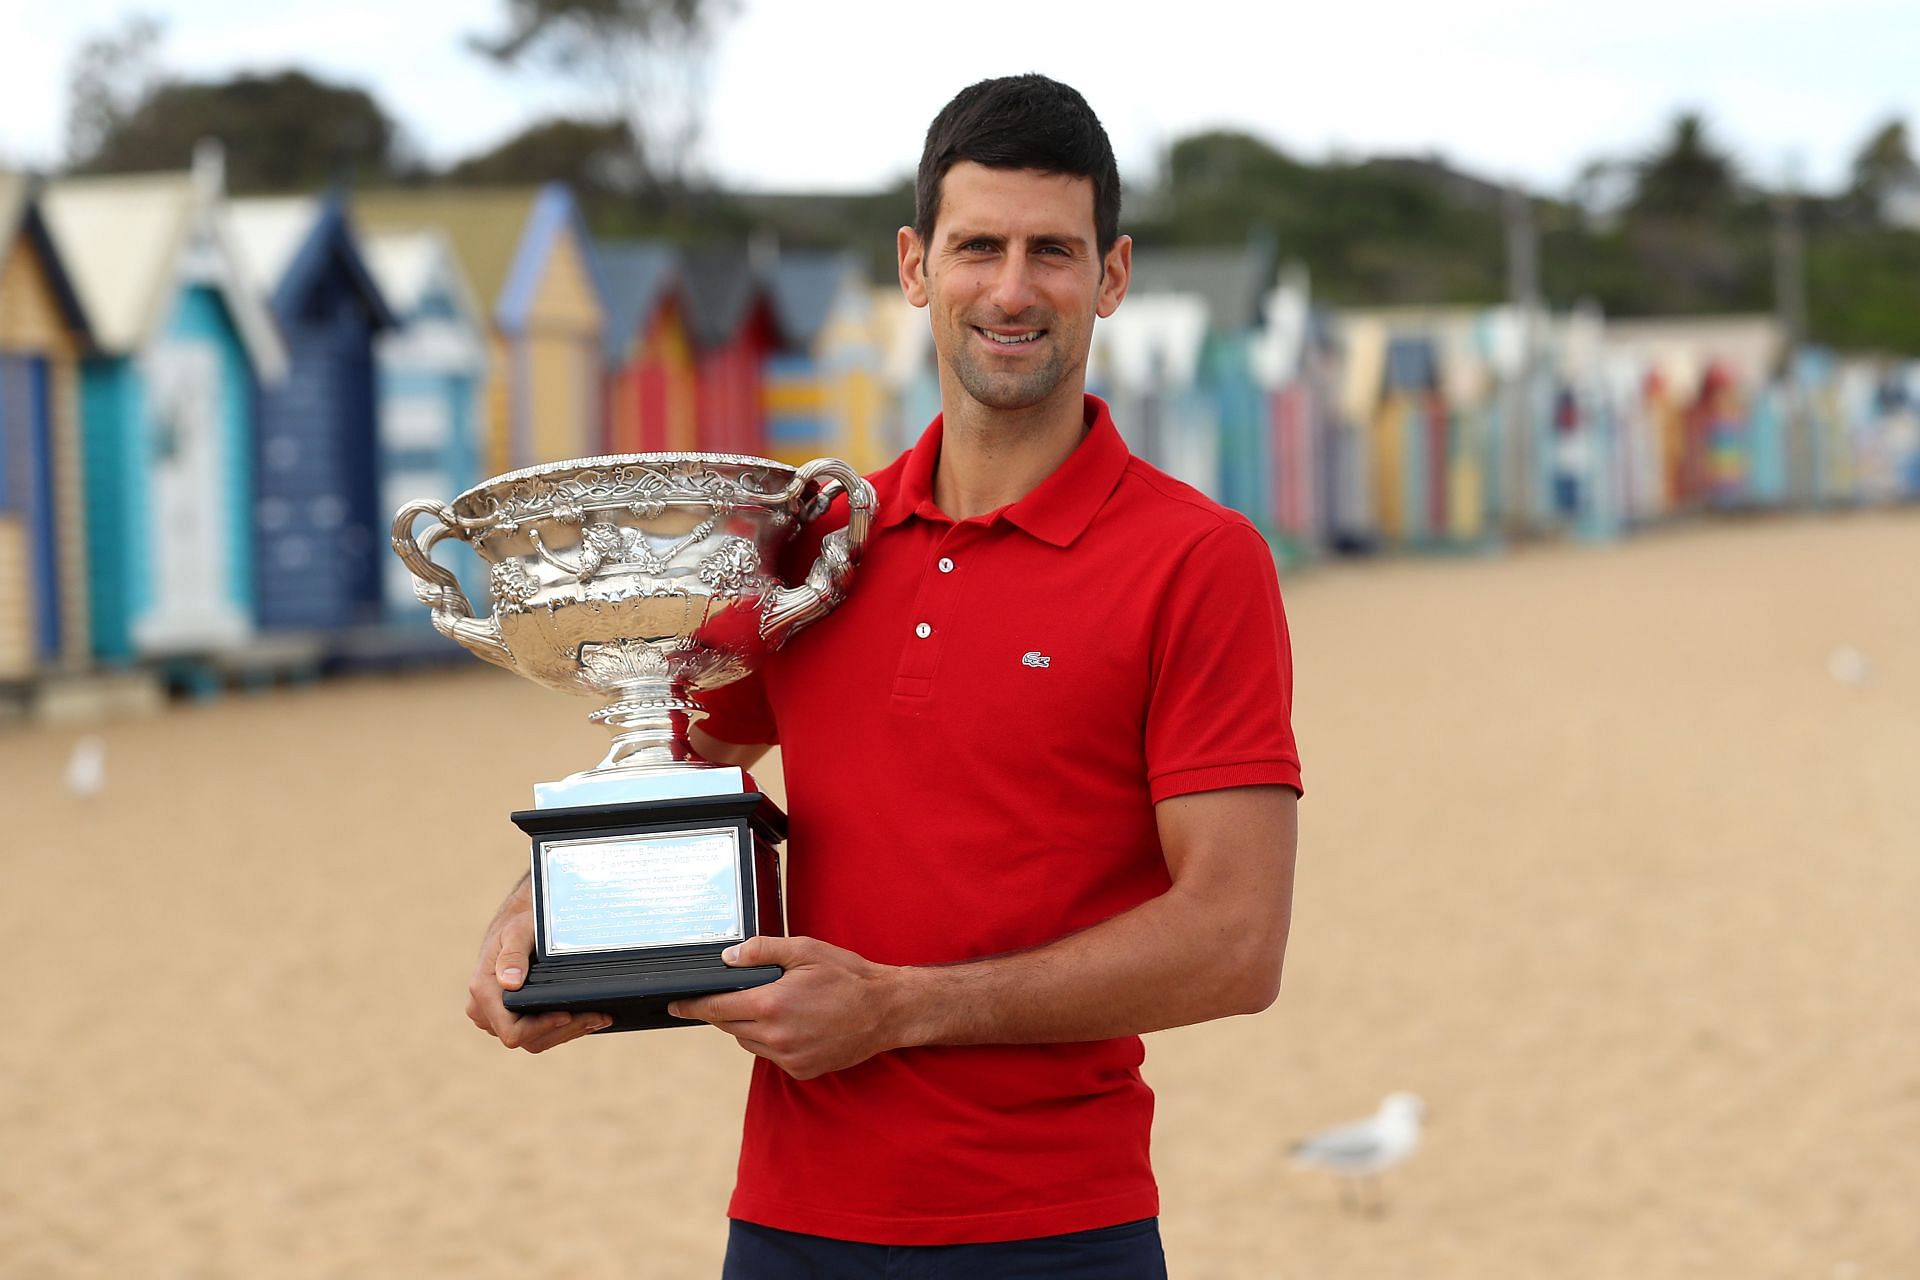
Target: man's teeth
1010 340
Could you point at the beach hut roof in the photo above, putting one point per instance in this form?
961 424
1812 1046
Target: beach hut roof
286 242
1233 282
804 287
555 213
635 276
20 219
721 289
125 240
269 231
484 225
410 265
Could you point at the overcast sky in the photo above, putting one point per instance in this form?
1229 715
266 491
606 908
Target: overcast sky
836 94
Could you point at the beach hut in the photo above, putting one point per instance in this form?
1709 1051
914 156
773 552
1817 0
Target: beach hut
1288 357
821 388
1145 362
528 257
43 544
1701 375
1234 283
651 380
432 371
318 524
730 317
168 409
910 378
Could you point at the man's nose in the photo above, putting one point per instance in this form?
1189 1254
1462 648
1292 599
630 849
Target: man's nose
1012 290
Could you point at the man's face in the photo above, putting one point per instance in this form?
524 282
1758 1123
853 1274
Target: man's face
1012 277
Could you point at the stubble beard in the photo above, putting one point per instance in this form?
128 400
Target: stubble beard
1008 388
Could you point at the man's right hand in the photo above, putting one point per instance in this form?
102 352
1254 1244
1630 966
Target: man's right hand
503 967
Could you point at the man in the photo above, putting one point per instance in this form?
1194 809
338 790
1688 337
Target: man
1041 778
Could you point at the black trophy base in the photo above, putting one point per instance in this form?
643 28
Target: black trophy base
634 987
634 993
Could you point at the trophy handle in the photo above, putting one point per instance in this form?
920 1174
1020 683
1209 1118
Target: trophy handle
436 587
791 608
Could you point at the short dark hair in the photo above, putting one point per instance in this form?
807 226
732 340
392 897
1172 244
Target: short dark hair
1020 122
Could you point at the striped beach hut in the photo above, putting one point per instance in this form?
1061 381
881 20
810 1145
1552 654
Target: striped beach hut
432 371
168 409
821 389
528 257
652 383
318 523
1293 361
730 317
43 337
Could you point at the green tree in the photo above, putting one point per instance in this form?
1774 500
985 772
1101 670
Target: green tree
643 61
112 75
1884 164
590 156
285 131
1687 178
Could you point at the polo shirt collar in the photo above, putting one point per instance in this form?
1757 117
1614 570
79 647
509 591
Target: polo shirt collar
1058 510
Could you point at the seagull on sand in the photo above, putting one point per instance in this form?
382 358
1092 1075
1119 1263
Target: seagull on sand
1360 1152
87 767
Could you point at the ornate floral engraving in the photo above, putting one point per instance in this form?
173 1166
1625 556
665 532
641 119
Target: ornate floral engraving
513 585
733 566
719 483
625 661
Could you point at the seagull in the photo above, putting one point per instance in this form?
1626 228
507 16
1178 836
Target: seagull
1361 1151
87 767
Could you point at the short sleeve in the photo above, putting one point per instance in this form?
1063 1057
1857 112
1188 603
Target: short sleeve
1220 706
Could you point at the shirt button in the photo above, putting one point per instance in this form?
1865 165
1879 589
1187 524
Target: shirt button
946 564
923 631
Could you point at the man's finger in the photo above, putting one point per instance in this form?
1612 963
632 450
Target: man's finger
537 1034
726 1006
572 1028
516 944
764 950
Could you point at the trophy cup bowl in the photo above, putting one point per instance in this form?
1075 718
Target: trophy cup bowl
640 580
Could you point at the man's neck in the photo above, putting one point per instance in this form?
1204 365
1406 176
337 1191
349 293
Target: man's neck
992 457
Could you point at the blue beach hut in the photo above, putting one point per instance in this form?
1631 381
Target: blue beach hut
168 409
43 335
432 372
318 525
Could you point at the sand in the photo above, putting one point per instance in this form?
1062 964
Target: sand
1598 856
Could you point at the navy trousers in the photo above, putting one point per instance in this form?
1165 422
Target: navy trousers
1130 1251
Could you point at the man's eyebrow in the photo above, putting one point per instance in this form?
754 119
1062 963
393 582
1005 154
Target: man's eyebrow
1064 238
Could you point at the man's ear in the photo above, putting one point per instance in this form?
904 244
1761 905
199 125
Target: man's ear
1117 268
913 263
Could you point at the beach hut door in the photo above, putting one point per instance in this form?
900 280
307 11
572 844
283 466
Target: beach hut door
189 556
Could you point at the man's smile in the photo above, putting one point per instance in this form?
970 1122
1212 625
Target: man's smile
1010 337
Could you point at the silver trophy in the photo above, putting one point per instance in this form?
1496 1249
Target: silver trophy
640 580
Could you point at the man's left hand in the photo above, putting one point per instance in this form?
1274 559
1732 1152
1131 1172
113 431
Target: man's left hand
830 1010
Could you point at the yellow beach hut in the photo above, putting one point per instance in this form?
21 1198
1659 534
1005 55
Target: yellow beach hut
43 550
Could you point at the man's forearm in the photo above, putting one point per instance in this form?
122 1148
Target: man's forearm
1169 962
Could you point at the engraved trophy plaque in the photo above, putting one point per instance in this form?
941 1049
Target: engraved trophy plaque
640 580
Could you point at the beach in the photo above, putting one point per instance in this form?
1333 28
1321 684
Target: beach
1603 853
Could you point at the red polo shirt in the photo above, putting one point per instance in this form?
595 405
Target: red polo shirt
974 742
